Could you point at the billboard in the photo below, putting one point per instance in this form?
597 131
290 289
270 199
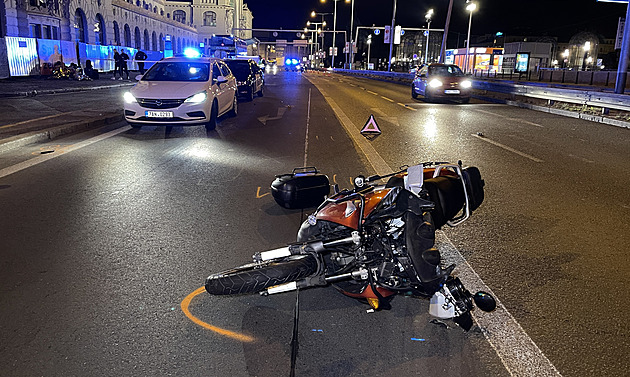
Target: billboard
522 62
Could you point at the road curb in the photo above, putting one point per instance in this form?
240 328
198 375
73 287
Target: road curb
58 131
35 92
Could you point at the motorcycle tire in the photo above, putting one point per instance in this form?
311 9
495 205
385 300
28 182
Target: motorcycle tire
255 277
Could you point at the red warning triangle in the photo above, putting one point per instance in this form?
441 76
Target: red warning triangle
371 127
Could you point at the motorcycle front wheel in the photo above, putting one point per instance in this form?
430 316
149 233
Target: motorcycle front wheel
254 277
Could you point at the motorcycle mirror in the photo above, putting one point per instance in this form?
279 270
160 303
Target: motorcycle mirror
485 301
359 181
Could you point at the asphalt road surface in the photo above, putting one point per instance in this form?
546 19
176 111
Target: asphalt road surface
107 236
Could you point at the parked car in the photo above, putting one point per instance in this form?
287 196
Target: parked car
249 77
441 81
182 91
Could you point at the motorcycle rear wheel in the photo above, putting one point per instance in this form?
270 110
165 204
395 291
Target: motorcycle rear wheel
254 277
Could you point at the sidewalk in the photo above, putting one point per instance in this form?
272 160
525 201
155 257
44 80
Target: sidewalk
33 85
47 128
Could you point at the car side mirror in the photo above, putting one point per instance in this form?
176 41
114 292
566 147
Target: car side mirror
138 77
221 80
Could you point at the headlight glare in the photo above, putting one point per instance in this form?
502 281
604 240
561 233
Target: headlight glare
197 98
129 98
466 84
435 83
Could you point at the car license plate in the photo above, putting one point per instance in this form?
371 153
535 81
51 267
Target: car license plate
159 114
451 91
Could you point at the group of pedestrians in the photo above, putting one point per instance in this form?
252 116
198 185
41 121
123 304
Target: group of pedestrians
120 63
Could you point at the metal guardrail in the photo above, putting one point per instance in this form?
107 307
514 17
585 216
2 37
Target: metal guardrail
583 97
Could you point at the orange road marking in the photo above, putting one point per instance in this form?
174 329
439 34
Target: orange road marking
230 334
36 119
258 196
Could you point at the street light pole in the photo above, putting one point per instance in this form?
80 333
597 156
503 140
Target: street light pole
351 40
332 64
426 51
391 38
470 7
444 37
369 43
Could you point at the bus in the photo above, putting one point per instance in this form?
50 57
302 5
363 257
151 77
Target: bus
226 46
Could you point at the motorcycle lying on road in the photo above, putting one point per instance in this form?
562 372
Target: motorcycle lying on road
370 242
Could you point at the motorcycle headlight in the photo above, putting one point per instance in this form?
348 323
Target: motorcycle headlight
466 84
435 83
197 98
129 98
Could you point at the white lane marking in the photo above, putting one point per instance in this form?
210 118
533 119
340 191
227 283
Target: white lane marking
516 350
377 162
43 158
508 148
36 119
371 92
581 158
387 99
510 118
308 122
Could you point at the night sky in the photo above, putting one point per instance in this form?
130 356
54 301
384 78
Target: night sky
554 18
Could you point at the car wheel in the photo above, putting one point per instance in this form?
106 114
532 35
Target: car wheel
212 123
414 95
260 92
234 110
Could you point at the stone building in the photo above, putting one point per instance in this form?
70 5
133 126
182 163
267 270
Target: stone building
150 25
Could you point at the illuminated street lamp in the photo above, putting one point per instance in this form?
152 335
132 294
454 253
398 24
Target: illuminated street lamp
323 24
428 18
470 8
332 64
369 43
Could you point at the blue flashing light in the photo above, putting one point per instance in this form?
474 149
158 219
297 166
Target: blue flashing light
287 62
499 34
191 53
294 61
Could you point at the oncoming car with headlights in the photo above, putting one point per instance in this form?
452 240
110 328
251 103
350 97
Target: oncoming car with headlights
182 91
441 81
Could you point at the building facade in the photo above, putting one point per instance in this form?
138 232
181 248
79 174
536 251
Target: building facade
149 25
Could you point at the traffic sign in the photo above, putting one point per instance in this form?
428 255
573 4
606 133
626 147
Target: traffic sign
387 35
377 31
371 128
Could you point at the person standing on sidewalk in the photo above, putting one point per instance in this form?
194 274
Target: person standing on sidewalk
116 64
140 58
123 65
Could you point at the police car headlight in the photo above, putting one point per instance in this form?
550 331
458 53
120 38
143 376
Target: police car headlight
466 84
435 83
129 98
197 98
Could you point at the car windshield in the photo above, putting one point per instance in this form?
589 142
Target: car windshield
240 69
178 71
445 70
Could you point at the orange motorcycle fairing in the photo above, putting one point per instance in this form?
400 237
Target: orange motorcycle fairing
347 213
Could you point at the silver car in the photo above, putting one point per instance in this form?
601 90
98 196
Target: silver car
182 91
